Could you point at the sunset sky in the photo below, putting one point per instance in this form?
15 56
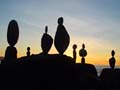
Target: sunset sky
96 23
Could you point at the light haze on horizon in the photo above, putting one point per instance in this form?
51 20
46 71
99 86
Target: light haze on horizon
93 22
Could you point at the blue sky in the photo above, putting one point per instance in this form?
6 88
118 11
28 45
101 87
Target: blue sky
93 22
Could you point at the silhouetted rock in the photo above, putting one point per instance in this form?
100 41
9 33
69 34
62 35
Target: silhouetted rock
74 52
12 38
83 54
53 71
46 58
82 51
86 76
110 79
12 33
112 60
45 71
82 60
46 41
28 51
10 55
62 38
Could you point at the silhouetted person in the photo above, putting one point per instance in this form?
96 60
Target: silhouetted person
62 38
46 41
28 51
83 53
74 52
12 38
112 60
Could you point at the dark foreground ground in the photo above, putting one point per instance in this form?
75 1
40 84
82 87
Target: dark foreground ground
55 72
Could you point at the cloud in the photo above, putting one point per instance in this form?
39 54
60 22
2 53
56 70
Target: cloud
102 28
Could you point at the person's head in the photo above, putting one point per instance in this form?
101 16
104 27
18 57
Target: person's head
60 20
113 53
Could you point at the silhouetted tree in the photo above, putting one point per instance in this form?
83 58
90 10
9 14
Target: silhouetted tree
62 38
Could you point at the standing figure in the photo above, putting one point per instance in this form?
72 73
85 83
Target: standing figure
12 38
28 51
83 54
46 42
112 60
74 52
62 38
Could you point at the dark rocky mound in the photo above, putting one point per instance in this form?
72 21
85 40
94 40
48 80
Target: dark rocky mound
110 78
56 72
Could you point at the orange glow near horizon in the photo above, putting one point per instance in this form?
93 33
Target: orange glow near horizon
96 55
99 60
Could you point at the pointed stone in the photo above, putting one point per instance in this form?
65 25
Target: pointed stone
46 42
62 38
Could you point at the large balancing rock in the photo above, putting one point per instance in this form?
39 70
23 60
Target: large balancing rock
62 39
46 42
10 55
12 33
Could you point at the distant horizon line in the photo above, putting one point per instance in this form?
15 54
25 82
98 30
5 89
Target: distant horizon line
1 57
